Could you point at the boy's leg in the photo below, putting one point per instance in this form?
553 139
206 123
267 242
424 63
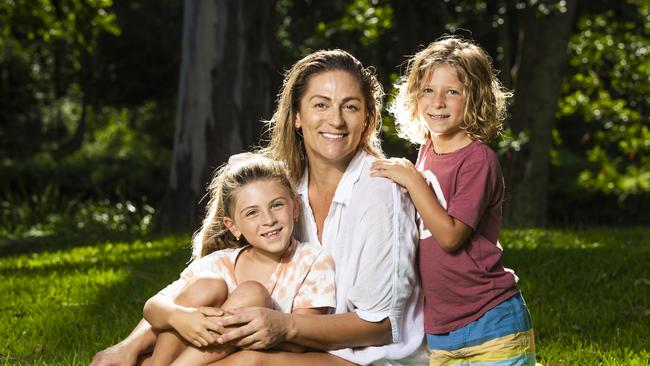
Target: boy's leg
250 293
204 290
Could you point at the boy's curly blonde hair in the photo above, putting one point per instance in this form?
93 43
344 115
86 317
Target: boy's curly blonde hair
486 98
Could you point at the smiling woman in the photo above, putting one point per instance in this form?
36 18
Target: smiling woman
325 131
332 118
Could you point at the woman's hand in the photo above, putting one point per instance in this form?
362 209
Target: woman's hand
196 325
254 328
399 170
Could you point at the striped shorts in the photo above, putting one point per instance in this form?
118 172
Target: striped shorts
502 336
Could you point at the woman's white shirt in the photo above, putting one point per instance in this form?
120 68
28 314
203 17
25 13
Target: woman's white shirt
370 232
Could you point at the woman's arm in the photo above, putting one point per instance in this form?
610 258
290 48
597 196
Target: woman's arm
140 340
294 347
314 331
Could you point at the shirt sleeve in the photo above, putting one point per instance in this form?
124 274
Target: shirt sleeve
318 289
386 274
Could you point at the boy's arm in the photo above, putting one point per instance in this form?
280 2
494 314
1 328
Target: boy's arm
449 232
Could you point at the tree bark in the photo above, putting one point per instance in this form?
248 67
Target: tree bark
226 88
537 88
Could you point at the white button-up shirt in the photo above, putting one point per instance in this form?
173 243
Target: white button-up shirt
370 232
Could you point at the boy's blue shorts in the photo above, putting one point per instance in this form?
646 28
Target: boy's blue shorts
502 336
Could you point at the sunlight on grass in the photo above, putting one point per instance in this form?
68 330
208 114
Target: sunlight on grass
588 292
60 307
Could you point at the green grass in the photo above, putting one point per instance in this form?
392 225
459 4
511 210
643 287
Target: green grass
588 292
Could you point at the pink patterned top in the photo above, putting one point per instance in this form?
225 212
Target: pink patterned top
304 278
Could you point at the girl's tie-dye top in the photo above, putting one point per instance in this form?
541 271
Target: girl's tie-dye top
304 278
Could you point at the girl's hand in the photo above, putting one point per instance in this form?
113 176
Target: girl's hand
399 170
197 325
254 328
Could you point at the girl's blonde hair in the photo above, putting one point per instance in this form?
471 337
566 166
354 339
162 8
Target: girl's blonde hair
223 188
286 142
485 97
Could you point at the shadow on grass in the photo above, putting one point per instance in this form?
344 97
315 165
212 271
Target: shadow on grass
586 297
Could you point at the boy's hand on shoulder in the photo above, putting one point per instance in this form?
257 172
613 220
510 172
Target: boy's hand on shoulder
399 170
197 325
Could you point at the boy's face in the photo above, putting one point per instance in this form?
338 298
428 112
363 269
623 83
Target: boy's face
441 103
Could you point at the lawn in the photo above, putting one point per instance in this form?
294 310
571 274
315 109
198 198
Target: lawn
588 292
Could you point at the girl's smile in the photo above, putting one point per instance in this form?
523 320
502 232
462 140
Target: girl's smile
264 213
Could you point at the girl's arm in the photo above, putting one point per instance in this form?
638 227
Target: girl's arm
449 232
323 332
191 323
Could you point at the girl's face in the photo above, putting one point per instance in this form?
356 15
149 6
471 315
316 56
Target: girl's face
264 213
332 116
441 103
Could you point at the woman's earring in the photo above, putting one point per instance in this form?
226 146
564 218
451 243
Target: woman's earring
237 237
299 131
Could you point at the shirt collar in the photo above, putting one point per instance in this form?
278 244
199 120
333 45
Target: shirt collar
351 175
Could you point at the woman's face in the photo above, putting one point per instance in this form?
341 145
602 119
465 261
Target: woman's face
332 117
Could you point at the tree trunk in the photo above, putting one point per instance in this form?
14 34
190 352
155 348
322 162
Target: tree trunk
226 89
537 88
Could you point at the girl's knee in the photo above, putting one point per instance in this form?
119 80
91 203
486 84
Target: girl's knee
252 293
203 290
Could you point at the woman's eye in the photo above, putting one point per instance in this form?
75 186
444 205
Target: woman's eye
351 107
320 105
277 205
427 91
453 92
250 213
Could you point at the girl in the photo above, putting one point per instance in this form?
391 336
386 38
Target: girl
452 103
246 256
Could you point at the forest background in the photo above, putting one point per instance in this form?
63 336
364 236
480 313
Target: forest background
113 115
91 93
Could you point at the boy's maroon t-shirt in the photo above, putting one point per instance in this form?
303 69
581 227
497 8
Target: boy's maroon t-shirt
460 287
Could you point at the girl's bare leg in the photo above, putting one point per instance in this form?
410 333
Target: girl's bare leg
205 290
247 294
272 358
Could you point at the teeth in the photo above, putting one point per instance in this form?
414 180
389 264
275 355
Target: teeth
438 116
333 135
271 233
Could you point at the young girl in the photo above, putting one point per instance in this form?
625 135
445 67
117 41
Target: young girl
452 103
246 256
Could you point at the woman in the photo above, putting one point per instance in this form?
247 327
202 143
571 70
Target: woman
326 130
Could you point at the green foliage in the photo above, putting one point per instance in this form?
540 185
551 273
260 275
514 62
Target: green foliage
607 88
28 216
45 53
